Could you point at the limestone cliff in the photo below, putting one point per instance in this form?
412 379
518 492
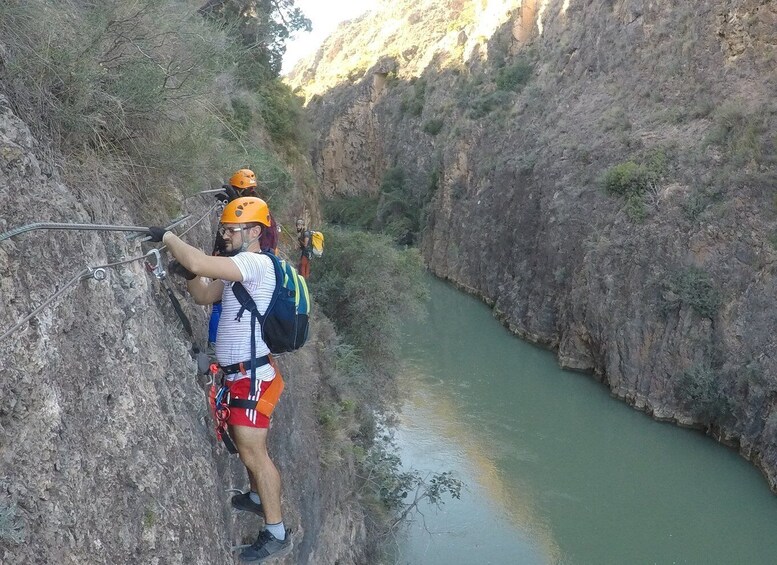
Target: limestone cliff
601 171
107 449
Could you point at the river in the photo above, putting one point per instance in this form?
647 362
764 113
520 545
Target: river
557 471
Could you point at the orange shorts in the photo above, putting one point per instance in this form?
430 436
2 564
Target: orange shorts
241 388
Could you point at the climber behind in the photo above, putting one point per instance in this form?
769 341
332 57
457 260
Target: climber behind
242 223
242 183
303 239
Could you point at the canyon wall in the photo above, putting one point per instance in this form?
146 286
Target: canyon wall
602 172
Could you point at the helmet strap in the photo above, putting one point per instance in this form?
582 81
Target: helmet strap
246 244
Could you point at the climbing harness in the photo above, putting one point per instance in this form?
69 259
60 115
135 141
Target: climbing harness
218 398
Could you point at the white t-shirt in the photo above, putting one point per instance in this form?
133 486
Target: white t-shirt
233 340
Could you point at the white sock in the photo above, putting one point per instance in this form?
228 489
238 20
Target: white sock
276 530
255 497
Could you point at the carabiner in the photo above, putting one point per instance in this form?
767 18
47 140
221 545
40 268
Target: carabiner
156 267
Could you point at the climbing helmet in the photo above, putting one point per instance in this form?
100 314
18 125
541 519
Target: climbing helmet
242 179
246 210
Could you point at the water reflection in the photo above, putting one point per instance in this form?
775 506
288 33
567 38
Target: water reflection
432 419
557 470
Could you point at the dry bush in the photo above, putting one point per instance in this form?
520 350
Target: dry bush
147 84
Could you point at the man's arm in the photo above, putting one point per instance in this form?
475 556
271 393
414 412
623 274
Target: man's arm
204 292
202 265
199 263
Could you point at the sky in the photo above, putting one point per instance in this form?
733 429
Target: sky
325 15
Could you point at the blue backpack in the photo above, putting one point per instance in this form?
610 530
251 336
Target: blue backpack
285 323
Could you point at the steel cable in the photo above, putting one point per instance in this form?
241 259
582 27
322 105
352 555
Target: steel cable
98 272
80 227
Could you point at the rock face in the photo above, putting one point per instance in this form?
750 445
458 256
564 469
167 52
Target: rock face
664 293
107 449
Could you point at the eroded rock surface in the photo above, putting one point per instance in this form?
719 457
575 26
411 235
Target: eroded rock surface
107 450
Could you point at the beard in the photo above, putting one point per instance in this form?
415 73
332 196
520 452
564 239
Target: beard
229 249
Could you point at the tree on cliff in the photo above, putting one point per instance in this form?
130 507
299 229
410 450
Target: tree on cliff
263 27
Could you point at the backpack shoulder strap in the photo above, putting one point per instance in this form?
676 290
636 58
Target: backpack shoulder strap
246 302
242 295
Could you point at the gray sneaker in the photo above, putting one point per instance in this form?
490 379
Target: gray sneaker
243 502
266 546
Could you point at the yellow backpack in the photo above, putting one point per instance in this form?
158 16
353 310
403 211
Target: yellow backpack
317 243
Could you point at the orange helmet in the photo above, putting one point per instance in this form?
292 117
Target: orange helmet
244 178
246 210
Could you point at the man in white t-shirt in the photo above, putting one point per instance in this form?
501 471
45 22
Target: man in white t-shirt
241 226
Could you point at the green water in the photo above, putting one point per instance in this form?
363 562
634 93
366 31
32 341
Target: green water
556 470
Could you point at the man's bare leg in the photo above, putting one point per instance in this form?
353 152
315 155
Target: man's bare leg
252 446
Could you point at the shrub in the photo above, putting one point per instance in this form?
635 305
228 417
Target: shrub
739 132
434 181
194 148
397 491
701 109
627 178
399 213
411 106
433 126
112 70
149 85
241 115
694 205
149 519
352 211
339 424
413 101
396 212
367 288
632 181
700 390
486 103
692 286
615 119
283 114
393 180
697 202
459 188
515 76
635 207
